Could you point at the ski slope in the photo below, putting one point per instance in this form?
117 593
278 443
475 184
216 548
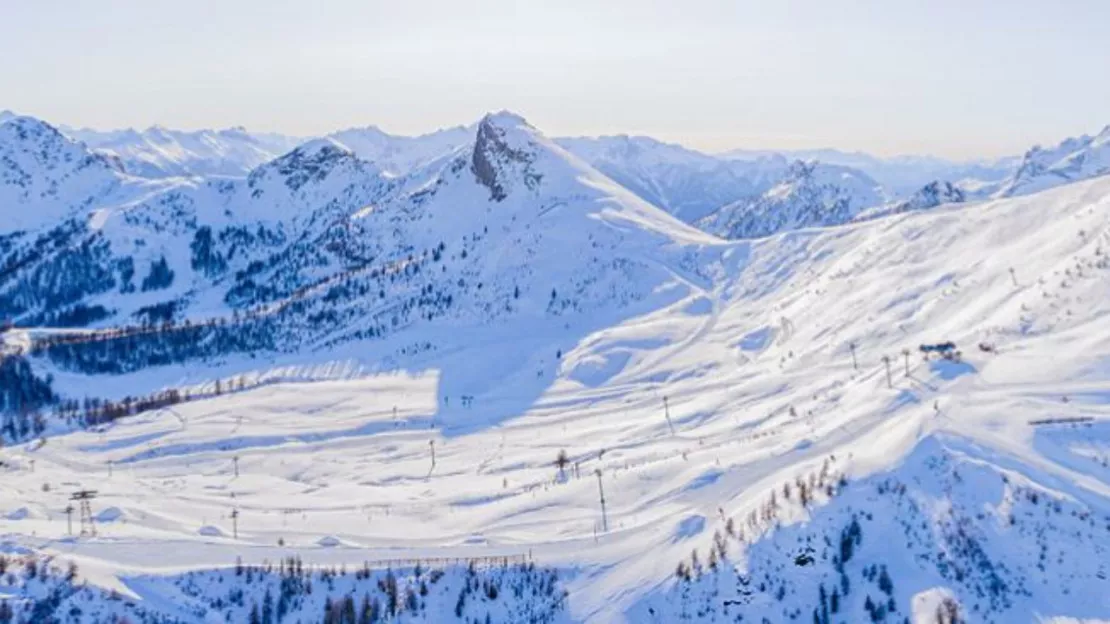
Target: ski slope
693 411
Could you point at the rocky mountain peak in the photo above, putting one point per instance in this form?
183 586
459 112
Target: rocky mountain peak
502 145
800 170
312 162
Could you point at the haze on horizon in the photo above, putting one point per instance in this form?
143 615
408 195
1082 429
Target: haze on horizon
958 79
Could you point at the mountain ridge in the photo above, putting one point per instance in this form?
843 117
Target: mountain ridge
689 184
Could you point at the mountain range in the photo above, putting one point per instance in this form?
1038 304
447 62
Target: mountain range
133 212
525 378
716 192
322 226
900 175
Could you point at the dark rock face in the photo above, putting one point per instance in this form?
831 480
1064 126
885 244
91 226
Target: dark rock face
304 165
930 196
491 154
936 193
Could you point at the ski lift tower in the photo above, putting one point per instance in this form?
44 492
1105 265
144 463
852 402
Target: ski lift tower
84 498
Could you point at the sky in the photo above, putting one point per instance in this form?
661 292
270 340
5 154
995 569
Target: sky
956 78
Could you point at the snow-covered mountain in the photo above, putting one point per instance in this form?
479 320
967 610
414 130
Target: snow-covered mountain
810 194
525 227
398 155
685 183
1076 158
900 176
501 374
755 455
45 177
126 249
933 194
688 184
511 221
161 152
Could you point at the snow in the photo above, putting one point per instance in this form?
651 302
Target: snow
38 589
698 375
1075 158
685 183
159 152
399 155
899 175
809 194
926 604
19 514
329 541
111 514
45 176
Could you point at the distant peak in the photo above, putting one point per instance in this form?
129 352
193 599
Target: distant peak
47 145
324 145
942 189
370 130
234 131
506 131
801 169
26 126
312 161
505 119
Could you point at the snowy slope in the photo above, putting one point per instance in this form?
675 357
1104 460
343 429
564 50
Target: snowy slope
1073 159
945 534
809 194
698 376
158 152
39 590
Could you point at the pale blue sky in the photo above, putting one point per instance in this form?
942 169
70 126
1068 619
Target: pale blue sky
957 78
